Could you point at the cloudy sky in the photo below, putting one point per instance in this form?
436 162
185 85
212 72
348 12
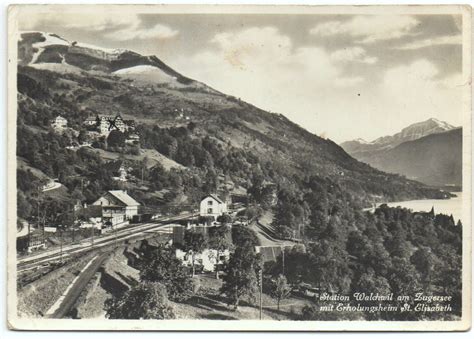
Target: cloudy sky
339 76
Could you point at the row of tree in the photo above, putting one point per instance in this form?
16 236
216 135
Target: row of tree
163 276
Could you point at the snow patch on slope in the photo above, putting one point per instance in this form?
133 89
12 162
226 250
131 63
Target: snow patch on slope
146 73
361 141
59 68
105 50
49 40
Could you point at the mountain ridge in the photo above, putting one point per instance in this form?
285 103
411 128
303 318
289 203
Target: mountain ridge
42 47
210 134
410 153
358 147
434 159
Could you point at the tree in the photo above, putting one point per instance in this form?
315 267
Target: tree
161 265
403 277
194 243
146 300
371 283
224 219
240 278
280 289
243 236
329 266
253 212
82 137
284 232
116 139
295 265
205 219
424 261
220 240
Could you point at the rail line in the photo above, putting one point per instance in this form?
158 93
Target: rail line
41 259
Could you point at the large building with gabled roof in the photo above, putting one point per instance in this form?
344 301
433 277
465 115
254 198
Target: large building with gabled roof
117 202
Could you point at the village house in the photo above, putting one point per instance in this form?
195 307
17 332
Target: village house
212 206
106 123
207 259
104 126
117 169
92 216
91 121
59 123
118 124
132 139
129 125
117 206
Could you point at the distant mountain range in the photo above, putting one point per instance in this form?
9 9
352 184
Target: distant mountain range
429 151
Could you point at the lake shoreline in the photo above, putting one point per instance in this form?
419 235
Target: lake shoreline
452 206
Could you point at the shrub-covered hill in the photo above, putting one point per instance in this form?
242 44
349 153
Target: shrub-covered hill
216 138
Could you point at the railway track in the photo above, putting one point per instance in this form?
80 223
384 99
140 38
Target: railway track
43 259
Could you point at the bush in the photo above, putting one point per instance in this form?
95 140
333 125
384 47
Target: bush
147 300
224 219
242 235
116 139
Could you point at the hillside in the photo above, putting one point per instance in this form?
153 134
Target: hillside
435 159
201 138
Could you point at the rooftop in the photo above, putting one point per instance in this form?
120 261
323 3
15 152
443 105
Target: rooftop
124 197
215 197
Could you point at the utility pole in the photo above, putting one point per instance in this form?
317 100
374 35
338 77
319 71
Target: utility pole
73 221
44 224
92 239
29 236
115 236
283 259
261 289
60 245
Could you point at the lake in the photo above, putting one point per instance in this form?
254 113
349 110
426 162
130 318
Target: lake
446 206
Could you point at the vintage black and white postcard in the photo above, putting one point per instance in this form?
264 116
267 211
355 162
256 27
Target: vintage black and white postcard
255 168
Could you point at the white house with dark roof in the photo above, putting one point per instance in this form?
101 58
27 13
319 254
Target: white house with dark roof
91 121
117 203
59 123
213 206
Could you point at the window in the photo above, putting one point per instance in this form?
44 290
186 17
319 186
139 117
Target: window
209 210
209 203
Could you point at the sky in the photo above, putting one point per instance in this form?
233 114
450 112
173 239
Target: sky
339 76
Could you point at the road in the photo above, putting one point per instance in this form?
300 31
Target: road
44 257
